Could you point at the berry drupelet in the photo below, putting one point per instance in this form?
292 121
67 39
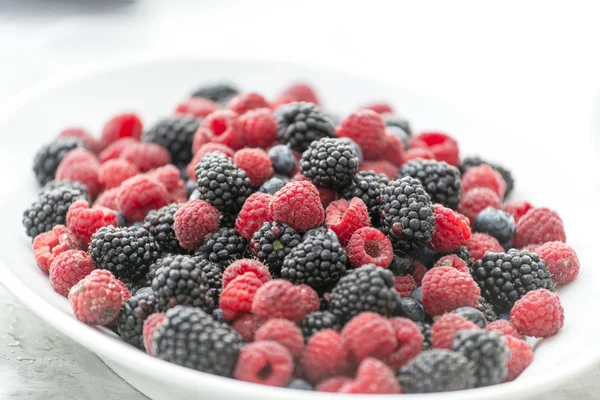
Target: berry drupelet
367 186
160 225
214 276
426 331
223 246
301 123
318 321
49 156
175 134
440 180
329 163
134 312
488 351
272 242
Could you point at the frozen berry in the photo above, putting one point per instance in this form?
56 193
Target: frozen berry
344 218
301 91
539 225
150 325
484 176
476 200
197 107
84 137
504 327
443 147
409 338
369 246
404 285
380 167
538 313
298 204
561 260
496 223
282 299
140 194
265 362
146 156
451 230
256 163
481 243
517 208
193 221
242 266
445 289
445 328
48 245
245 102
283 332
68 268
454 261
204 150
121 126
84 221
238 296
521 355
223 127
80 165
113 172
372 377
260 127
246 325
367 129
369 335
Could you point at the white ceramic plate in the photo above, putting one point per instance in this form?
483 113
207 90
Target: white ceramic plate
153 86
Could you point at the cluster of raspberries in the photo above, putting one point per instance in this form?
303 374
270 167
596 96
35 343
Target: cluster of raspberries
273 243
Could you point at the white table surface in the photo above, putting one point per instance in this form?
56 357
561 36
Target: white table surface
519 65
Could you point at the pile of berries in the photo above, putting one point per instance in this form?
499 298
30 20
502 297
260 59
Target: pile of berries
268 242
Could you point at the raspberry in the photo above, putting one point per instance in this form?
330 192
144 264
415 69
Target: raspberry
84 221
344 218
380 167
454 261
420 271
120 126
445 328
404 285
481 243
281 100
283 332
369 246
410 339
113 172
240 267
325 356
197 107
561 260
537 226
68 268
372 377
97 298
538 313
150 324
451 230
193 221
244 102
393 150
504 327
325 195
48 245
265 362
445 289
254 213
84 137
116 149
369 335
477 199
517 208
301 92
238 296
379 108
297 204
367 129
223 127
417 152
204 150
484 176
256 163
169 175
146 156
80 165
246 325
282 299
471 162
443 147
332 385
521 355
108 199
259 127
140 194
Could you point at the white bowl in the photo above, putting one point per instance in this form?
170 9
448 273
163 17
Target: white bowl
153 86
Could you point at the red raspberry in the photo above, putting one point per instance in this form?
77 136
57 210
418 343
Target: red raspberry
451 230
259 127
48 245
282 299
332 385
197 107
379 108
561 260
256 163
445 289
404 285
443 147
454 261
246 325
140 194
344 218
223 127
146 156
202 151
538 226
120 126
418 152
369 246
254 213
301 92
240 267
97 298
325 356
532 248
244 102
150 324
298 204
170 177
108 199
265 362
445 328
68 268
327 196
417 143
380 167
113 172
86 138
517 208
84 221
80 165
193 221
367 129
237 297
369 335
476 200
116 148
284 332
393 150
521 355
483 176
481 243
281 100
372 377
503 327
538 313
420 271
410 340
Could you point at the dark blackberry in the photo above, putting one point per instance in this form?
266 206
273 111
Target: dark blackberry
317 261
283 160
505 277
222 246
134 312
506 174
472 314
273 184
367 186
49 210
227 220
356 149
488 351
437 371
368 288
329 163
426 331
397 122
217 92
487 309
192 338
53 184
272 242
407 214
179 280
214 276
440 180
221 183
217 315
318 321
299 384
301 123
409 307
496 223
48 157
160 225
402 265
127 252
175 134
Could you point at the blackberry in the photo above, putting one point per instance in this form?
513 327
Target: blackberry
49 210
317 261
192 338
497 223
127 252
214 276
473 315
273 184
48 157
322 231
160 225
221 183
227 220
356 149
426 331
477 161
217 92
222 246
217 315
368 288
175 134
402 265
407 214
329 163
488 351
134 312
179 280
437 371
505 277
299 384
440 180
367 186
272 242
394 121
318 321
301 123
283 160
409 307
54 184
487 309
